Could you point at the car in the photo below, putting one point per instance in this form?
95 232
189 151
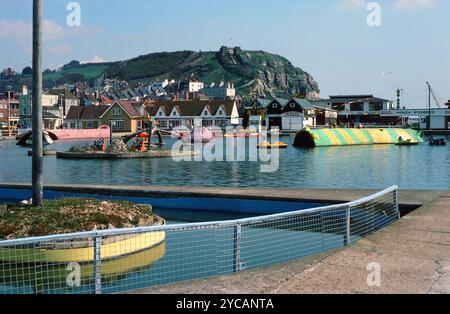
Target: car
3 124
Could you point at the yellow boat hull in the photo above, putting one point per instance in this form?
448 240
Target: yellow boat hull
267 145
113 250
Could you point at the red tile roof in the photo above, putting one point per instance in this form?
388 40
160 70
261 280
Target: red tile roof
130 107
86 112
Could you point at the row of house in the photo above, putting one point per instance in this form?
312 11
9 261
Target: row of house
161 90
129 116
9 112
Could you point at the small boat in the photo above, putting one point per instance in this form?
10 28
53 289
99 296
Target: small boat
268 145
113 247
26 138
408 142
437 142
198 135
242 134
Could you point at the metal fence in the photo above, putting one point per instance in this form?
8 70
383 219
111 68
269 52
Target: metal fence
121 260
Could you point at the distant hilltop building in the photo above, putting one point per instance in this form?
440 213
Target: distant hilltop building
227 51
229 55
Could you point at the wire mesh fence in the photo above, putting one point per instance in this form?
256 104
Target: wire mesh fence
120 260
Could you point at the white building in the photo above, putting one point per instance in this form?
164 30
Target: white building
221 91
162 84
195 86
212 113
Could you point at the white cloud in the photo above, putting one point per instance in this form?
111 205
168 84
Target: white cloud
95 59
13 28
23 32
52 30
414 4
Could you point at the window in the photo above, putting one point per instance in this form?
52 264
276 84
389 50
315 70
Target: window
357 106
292 105
220 112
174 123
174 113
338 106
73 125
160 113
207 122
205 113
222 123
89 124
117 125
1 114
375 106
274 106
162 124
116 111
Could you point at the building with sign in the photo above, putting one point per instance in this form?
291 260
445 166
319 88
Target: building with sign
362 109
435 119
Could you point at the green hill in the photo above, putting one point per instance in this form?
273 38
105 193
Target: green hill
254 73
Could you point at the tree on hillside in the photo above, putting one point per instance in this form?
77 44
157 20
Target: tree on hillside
27 71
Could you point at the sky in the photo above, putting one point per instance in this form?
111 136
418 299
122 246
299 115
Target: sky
330 39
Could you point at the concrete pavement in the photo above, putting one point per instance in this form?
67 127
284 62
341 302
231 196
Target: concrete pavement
414 256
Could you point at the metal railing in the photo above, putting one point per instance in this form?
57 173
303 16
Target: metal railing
120 260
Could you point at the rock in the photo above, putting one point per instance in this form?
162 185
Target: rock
3 209
118 146
146 208
145 222
26 203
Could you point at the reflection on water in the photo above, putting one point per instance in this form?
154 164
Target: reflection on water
39 278
376 166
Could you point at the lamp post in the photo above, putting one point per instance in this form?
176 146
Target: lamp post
9 113
429 106
37 156
62 108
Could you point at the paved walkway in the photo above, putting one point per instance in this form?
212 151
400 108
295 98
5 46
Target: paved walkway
414 255
407 198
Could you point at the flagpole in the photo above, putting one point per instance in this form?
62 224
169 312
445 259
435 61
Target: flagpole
37 128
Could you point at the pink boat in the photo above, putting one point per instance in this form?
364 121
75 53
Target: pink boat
198 135
81 134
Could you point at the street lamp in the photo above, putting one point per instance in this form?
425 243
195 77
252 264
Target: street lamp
429 106
62 108
37 156
9 112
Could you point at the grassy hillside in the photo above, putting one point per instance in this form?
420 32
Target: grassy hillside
254 73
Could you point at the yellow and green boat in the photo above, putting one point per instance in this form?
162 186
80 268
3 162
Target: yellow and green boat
348 137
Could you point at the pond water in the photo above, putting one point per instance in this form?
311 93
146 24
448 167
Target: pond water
376 167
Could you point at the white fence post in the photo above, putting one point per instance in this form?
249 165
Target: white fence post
237 248
396 206
347 226
97 265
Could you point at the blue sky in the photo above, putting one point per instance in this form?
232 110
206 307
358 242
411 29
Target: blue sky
328 38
